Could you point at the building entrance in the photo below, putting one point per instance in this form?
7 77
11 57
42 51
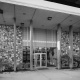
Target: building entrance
40 60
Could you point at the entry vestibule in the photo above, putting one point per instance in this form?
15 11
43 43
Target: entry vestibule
57 38
43 40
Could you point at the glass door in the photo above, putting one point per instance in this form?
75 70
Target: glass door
37 60
43 60
40 60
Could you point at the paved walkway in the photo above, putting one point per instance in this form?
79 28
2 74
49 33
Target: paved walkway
47 74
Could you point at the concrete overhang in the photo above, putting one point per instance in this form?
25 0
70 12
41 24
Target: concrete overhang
61 14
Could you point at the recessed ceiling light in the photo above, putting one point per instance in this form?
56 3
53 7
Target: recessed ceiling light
58 24
24 13
22 24
49 18
1 11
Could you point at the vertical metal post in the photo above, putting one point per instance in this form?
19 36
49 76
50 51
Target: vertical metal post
59 47
46 47
52 39
27 36
14 44
31 46
71 46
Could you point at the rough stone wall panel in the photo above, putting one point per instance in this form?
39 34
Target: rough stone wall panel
7 45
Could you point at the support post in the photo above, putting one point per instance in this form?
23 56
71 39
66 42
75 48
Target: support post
31 46
59 47
71 46
27 36
14 44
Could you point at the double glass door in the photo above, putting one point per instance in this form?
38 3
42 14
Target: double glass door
40 60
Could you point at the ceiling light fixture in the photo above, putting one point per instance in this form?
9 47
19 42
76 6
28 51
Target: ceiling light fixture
49 18
58 24
22 24
1 11
24 13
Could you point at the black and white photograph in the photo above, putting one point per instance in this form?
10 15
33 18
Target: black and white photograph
39 39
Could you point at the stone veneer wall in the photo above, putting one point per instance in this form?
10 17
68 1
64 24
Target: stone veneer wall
7 45
65 42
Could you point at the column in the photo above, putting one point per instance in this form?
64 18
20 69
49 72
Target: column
27 36
52 39
31 46
71 46
58 46
14 44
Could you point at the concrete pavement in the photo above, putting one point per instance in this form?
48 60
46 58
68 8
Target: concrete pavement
45 74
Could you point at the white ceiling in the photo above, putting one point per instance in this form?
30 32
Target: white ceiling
25 14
